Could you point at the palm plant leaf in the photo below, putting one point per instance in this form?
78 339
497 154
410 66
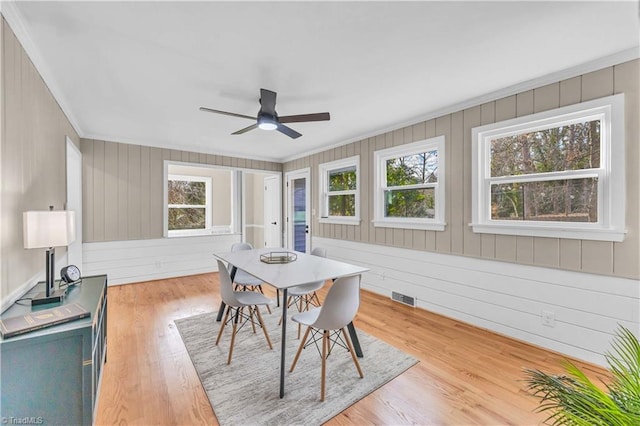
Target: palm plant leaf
573 399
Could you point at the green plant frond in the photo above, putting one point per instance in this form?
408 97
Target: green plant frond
572 399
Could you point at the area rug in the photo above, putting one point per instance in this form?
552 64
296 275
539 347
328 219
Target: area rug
247 391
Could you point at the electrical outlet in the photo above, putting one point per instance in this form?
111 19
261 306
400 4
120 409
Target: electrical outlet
548 318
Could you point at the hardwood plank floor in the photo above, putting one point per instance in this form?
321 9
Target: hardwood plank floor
466 375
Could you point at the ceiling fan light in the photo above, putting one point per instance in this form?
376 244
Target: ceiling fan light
267 125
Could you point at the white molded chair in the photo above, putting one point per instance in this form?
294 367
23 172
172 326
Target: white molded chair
305 295
339 308
235 302
243 279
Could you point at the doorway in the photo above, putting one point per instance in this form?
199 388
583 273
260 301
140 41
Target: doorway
298 208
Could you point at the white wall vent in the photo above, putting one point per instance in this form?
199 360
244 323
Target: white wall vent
407 300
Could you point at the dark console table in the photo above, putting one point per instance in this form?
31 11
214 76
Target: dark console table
52 375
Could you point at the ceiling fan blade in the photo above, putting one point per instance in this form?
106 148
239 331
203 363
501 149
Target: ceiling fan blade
245 130
268 102
320 116
288 131
232 114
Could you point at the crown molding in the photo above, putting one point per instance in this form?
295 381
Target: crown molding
584 68
14 18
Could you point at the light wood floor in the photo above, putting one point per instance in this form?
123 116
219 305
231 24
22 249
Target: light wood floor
466 375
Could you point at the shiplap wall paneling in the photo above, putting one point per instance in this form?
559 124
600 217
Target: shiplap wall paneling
123 192
443 238
455 151
143 260
33 171
606 258
627 253
503 297
472 242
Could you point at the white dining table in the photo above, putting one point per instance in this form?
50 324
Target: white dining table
305 269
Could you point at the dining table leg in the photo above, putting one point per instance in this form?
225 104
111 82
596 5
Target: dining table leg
284 341
354 339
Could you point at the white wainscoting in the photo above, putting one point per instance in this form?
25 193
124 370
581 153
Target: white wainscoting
503 297
143 260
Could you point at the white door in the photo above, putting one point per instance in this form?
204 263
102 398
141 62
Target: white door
272 212
74 201
298 210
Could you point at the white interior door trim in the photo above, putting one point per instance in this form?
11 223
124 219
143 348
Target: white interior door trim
289 177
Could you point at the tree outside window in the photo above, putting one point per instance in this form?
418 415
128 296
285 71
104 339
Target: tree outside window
557 173
409 189
188 203
339 196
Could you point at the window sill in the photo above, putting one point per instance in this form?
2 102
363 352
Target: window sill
199 232
427 226
551 231
340 220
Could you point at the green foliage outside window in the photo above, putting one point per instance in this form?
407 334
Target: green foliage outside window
564 148
187 204
342 180
414 202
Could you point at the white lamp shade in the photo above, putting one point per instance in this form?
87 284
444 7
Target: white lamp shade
48 228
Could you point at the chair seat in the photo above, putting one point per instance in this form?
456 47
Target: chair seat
244 278
303 289
251 298
306 317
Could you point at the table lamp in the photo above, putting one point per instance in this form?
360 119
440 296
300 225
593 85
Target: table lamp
48 229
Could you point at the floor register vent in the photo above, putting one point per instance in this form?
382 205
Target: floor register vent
407 300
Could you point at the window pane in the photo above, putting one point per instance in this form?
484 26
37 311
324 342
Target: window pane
343 179
573 200
418 203
413 169
186 218
571 147
342 205
187 192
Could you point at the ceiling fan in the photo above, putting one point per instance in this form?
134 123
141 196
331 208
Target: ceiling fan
268 119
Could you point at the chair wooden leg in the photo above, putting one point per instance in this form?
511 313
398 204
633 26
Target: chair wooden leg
264 328
304 340
233 335
352 352
253 324
325 344
224 322
261 291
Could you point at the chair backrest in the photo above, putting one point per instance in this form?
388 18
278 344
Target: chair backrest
340 305
241 246
226 286
242 277
319 251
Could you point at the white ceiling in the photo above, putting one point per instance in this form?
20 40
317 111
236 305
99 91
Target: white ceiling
137 72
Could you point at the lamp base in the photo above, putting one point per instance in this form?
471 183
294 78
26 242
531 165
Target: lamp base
42 298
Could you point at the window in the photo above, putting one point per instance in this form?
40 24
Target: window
409 190
339 194
559 173
189 204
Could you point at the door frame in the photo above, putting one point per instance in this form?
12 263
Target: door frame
290 176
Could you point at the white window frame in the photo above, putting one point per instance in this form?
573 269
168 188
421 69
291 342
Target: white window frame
324 170
437 223
208 214
611 173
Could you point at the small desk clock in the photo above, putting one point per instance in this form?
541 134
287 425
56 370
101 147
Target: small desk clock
70 274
